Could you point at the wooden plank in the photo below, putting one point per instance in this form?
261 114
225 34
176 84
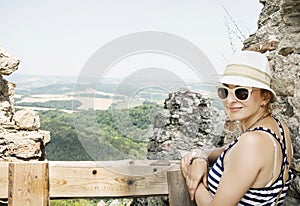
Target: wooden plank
109 179
178 193
3 180
28 184
102 179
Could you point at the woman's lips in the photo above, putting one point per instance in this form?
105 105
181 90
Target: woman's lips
234 109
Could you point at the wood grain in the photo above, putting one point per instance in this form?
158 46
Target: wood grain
3 180
108 179
178 193
28 184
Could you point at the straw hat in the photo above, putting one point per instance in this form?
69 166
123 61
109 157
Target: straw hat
251 69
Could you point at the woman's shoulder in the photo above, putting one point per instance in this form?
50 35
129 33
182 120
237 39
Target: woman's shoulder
256 143
256 137
248 154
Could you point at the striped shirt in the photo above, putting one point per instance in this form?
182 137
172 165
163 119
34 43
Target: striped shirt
256 196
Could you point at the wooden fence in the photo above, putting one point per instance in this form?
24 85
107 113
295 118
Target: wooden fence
35 183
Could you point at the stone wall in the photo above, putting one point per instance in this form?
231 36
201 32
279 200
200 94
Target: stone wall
20 137
188 121
278 35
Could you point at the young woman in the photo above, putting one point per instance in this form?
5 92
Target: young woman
255 168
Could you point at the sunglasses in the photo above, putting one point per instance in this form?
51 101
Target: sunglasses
241 94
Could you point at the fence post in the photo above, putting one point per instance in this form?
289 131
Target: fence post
28 184
178 194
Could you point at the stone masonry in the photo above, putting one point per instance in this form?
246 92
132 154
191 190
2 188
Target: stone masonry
278 35
189 121
20 137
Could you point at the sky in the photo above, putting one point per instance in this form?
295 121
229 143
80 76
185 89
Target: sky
58 37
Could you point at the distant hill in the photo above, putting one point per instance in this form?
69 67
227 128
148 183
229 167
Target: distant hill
37 84
70 93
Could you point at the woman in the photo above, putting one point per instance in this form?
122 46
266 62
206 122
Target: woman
255 168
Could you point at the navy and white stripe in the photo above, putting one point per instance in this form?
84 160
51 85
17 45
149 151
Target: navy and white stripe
255 196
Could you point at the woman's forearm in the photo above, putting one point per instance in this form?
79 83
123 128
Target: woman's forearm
212 154
202 196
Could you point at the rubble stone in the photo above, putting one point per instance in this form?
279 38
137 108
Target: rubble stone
20 137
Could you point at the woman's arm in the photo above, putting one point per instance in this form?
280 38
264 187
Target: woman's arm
213 154
242 165
195 171
202 196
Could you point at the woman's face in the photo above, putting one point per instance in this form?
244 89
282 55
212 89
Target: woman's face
241 109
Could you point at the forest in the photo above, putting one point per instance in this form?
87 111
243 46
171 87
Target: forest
106 134
56 104
102 135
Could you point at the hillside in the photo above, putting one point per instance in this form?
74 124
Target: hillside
102 139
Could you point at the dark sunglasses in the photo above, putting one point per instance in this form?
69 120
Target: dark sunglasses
241 94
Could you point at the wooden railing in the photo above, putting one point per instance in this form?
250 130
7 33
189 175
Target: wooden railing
35 183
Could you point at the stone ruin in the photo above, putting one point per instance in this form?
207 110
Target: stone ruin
278 35
20 137
188 121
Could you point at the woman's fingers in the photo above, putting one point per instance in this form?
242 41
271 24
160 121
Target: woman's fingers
184 168
205 180
192 187
194 173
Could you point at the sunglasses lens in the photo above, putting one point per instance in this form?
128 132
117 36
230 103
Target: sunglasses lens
241 93
222 93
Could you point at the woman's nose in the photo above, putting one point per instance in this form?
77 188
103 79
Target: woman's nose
231 97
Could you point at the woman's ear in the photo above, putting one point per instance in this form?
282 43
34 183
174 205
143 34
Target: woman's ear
266 96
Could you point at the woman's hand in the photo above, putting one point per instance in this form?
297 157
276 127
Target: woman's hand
194 172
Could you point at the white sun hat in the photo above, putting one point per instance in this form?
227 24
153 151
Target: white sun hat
251 69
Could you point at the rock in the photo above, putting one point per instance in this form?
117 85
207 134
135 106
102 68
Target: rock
8 63
6 100
289 44
20 139
23 145
188 121
279 21
27 119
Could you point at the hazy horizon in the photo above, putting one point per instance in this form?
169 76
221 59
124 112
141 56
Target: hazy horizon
57 38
